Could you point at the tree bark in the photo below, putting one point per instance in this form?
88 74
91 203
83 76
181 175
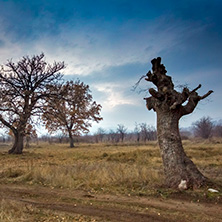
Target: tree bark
177 166
179 169
18 145
71 140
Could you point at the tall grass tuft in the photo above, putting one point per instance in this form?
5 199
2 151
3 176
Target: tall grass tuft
94 175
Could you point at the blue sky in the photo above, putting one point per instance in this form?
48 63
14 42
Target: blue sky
109 44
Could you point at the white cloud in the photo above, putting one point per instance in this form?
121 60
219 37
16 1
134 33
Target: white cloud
113 96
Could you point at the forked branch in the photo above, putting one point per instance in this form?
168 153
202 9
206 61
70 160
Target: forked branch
192 102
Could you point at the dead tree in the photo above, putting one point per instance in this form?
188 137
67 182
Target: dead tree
203 128
169 106
121 129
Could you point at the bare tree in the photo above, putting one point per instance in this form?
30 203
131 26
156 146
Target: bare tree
99 135
121 129
203 128
22 91
147 132
112 136
168 104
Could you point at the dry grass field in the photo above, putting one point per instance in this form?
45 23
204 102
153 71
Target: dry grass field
104 182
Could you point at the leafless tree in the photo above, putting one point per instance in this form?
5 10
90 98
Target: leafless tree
22 91
99 135
121 129
147 132
170 106
203 128
112 136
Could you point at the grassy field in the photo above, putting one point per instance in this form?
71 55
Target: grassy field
98 170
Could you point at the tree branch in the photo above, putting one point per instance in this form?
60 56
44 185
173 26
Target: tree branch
206 95
137 83
193 101
194 90
182 97
7 124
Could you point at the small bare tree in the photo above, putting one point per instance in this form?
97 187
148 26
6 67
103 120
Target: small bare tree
170 106
121 129
203 128
147 132
99 135
112 136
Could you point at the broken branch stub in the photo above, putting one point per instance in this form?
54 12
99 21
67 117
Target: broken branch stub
166 94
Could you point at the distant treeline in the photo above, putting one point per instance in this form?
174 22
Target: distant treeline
204 128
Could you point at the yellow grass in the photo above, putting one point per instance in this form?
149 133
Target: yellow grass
114 169
111 168
97 167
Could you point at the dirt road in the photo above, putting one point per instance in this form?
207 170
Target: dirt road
113 207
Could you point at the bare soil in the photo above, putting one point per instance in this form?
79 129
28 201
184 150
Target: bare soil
108 207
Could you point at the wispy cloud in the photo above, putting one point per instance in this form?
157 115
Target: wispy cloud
95 48
87 48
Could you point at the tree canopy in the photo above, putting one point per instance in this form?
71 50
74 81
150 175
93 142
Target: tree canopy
23 87
73 112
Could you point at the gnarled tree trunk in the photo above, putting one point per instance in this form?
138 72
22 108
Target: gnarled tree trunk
179 170
177 166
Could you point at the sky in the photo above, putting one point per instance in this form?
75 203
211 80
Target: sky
109 44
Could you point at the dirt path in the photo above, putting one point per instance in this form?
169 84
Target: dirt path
112 207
